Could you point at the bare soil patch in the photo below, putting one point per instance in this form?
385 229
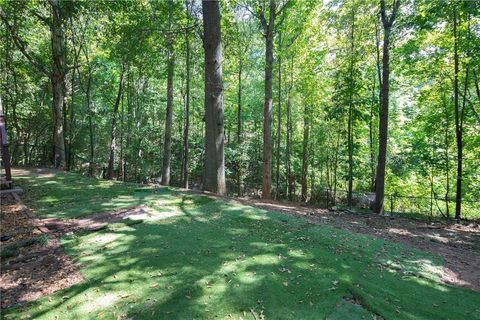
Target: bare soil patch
458 244
96 221
34 263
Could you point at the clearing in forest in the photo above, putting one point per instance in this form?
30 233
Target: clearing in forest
197 257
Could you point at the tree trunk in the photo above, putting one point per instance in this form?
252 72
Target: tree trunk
350 113
90 124
130 116
214 166
306 129
289 138
187 114
447 156
335 165
167 142
58 78
383 128
113 140
371 140
458 128
279 122
267 115
239 128
122 130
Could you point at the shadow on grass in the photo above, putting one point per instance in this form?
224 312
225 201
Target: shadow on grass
68 195
223 260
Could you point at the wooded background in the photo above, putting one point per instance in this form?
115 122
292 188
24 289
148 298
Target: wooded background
96 87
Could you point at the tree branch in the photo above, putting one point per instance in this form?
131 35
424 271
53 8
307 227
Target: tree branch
393 16
279 12
42 18
22 46
260 15
383 12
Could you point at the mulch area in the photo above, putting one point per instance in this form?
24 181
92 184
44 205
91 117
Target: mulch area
38 266
35 264
458 244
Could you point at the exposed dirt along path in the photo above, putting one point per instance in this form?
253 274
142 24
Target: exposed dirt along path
43 268
36 269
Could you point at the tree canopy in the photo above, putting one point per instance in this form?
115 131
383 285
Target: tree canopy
115 89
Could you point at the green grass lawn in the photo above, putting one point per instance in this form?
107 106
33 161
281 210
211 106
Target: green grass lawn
69 195
219 260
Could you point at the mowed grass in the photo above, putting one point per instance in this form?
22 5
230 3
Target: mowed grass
68 195
221 260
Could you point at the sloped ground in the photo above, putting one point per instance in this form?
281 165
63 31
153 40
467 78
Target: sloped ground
458 244
198 257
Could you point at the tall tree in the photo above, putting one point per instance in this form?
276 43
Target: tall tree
279 120
351 81
214 165
58 78
387 21
267 17
458 127
57 73
288 153
306 131
113 140
186 127
167 141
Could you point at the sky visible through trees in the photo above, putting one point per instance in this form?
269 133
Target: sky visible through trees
334 102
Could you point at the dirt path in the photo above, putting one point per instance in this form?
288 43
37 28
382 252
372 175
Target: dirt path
458 244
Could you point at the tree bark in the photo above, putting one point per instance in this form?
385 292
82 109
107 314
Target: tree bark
267 110
458 127
350 113
58 78
289 137
187 113
90 124
383 127
113 140
214 166
306 129
371 139
167 142
447 157
239 128
279 121
88 97
122 133
57 74
130 116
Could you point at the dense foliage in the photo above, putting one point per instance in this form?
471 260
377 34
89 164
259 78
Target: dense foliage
326 95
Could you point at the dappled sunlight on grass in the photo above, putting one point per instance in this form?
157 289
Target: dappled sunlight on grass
210 259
